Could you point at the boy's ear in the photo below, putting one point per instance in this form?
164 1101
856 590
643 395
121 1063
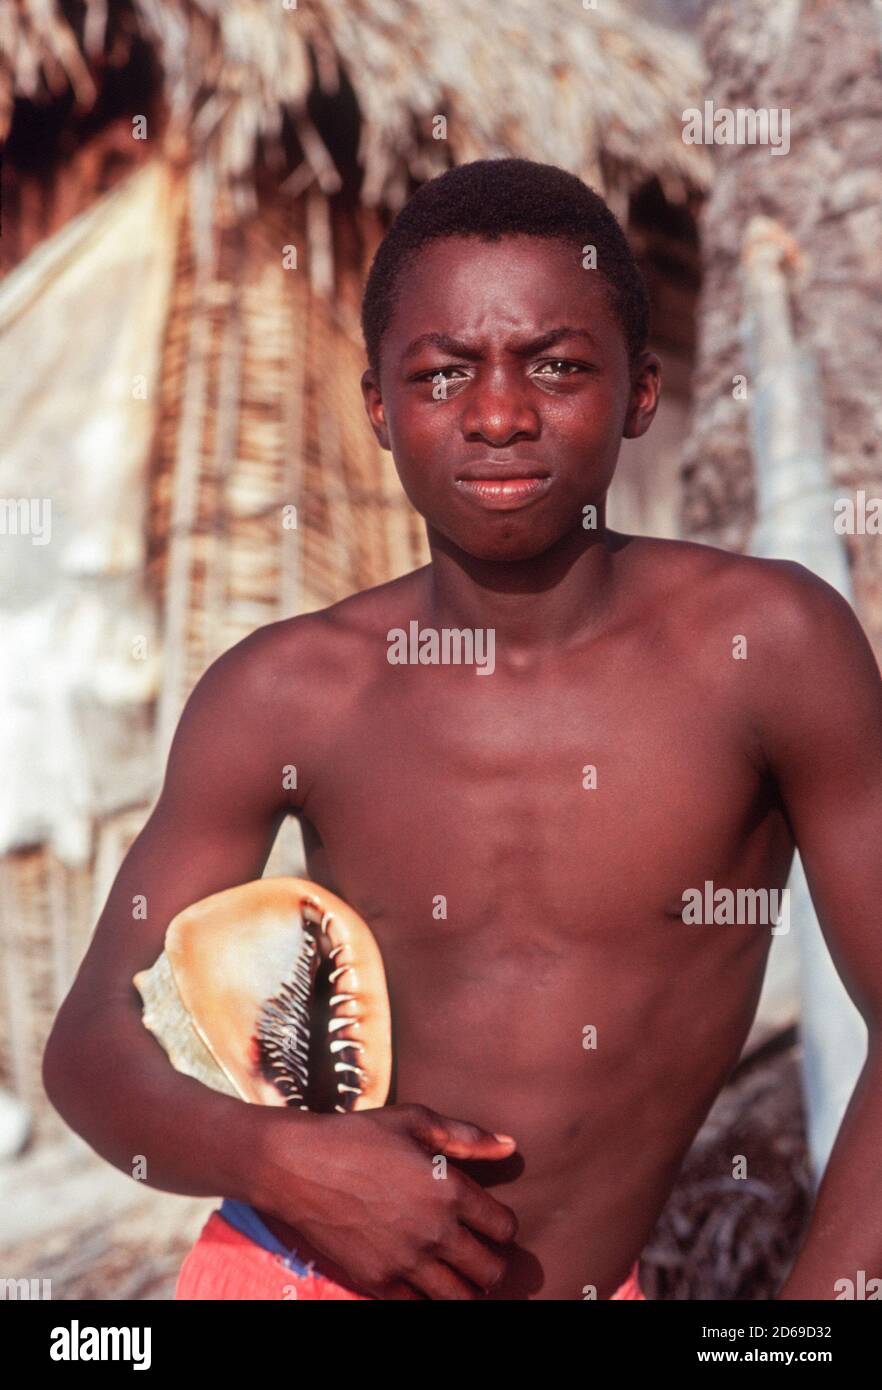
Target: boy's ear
373 404
645 392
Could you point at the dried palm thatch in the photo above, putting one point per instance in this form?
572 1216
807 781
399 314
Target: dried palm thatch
600 94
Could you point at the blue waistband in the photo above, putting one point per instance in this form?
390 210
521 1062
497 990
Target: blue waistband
245 1219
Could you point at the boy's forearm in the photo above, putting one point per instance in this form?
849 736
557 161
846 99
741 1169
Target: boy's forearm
112 1084
845 1234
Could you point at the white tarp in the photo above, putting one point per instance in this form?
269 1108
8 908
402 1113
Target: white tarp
81 328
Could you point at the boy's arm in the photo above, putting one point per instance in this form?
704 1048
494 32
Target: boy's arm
213 826
820 722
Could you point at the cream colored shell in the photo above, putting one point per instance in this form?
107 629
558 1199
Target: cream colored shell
229 953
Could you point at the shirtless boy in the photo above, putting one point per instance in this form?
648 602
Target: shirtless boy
658 715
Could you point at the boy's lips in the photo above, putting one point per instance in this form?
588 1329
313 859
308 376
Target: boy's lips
503 486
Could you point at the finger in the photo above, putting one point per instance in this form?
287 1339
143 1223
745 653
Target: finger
440 1282
459 1139
398 1290
483 1213
474 1261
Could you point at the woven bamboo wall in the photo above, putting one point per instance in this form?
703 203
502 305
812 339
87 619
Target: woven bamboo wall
47 912
261 409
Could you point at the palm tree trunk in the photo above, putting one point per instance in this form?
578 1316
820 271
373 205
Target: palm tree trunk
795 496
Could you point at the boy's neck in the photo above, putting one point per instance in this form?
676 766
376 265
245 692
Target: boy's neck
534 606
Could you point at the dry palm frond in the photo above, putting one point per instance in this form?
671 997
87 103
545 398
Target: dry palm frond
722 1236
601 94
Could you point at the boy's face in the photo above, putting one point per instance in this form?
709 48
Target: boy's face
534 380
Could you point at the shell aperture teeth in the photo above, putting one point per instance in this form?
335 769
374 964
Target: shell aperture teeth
293 1061
335 1024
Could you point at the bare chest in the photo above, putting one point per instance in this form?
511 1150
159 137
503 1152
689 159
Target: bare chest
561 800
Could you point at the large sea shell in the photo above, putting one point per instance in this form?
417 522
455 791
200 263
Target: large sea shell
235 997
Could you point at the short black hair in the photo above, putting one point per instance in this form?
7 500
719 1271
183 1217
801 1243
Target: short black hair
491 198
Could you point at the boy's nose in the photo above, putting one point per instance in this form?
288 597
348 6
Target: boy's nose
499 416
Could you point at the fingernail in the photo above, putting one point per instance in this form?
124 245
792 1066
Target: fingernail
504 1138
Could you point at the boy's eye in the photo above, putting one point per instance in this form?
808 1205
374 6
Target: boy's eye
437 372
560 367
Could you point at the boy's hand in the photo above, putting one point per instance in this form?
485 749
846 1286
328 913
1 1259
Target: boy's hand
372 1203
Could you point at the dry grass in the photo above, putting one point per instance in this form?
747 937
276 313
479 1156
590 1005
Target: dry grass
725 1238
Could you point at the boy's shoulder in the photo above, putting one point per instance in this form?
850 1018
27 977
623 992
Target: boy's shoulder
707 588
761 635
329 641
360 617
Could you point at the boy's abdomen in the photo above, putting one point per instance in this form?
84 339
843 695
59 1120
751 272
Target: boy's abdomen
601 1069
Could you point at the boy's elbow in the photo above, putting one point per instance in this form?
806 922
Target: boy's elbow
62 1056
55 1054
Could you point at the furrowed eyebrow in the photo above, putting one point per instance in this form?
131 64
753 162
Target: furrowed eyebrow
554 336
443 342
456 348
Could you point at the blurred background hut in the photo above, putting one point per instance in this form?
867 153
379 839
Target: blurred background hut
191 196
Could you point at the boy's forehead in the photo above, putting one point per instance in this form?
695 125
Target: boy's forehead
457 284
506 259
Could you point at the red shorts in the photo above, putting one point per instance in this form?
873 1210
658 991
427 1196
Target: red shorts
224 1263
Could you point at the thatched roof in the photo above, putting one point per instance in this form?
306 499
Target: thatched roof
601 94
